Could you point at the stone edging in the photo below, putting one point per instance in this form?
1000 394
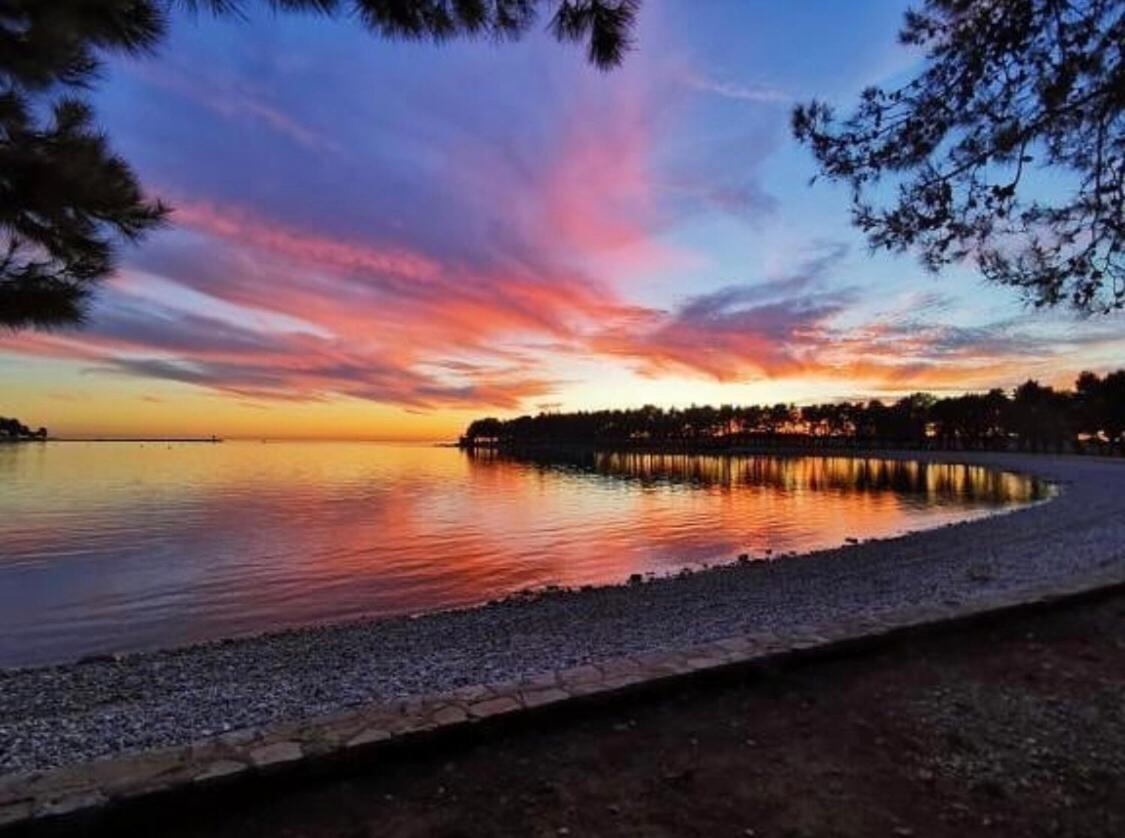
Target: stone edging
85 789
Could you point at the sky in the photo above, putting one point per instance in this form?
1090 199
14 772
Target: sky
386 240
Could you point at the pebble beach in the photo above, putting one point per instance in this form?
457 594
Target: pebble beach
57 715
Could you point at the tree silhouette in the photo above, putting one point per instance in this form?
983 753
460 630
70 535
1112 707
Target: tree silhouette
1034 417
1101 405
67 201
1008 86
65 198
14 429
604 25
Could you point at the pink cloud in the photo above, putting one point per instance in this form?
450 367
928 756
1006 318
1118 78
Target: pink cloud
242 227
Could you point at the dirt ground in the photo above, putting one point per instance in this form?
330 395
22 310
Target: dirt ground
1015 728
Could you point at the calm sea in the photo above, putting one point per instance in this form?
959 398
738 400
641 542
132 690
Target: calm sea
125 546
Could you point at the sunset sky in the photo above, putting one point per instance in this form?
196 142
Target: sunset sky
386 240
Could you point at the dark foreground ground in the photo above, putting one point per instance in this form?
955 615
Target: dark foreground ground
1014 728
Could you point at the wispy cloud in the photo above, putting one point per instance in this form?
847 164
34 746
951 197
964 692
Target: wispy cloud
739 331
806 323
757 93
234 100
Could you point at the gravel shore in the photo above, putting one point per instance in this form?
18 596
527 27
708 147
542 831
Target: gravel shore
55 715
1005 729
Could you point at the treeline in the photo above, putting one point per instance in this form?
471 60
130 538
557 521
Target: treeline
11 429
1090 418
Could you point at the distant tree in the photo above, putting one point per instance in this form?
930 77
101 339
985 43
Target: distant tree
872 424
1089 404
1100 405
483 430
15 429
67 201
914 411
1039 416
957 420
1035 417
1113 394
1008 85
777 417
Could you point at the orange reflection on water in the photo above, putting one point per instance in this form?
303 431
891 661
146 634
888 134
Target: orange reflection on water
124 546
937 483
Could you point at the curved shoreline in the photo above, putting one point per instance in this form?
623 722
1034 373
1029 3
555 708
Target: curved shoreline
1045 491
57 715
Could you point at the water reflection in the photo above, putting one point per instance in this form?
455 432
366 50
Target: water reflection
936 482
129 546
